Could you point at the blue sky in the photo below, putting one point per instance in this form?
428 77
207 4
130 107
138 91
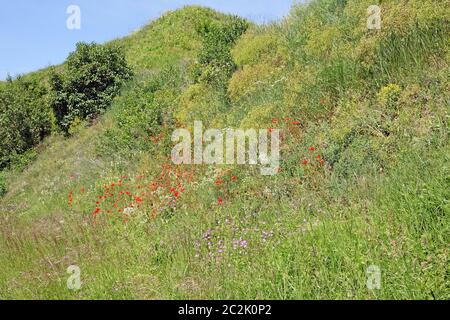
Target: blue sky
33 34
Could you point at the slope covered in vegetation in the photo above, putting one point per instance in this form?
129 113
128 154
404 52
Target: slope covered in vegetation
364 176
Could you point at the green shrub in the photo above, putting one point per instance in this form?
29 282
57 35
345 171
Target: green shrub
215 59
18 162
76 126
25 117
388 96
253 48
207 97
259 117
136 120
199 102
93 77
139 114
3 188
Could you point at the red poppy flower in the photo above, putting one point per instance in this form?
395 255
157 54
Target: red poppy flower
96 211
312 149
234 178
219 201
305 162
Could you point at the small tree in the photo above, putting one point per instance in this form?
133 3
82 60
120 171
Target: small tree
93 76
25 117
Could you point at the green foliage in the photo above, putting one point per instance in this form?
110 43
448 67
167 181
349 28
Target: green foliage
388 96
207 99
93 77
218 38
76 126
259 45
137 120
25 117
139 114
19 162
364 176
175 37
199 103
259 117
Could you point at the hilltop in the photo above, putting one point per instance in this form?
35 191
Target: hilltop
363 181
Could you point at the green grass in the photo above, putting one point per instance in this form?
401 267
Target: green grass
373 105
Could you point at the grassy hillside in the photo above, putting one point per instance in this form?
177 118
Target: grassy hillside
364 178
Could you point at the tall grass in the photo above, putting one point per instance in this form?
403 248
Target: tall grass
374 107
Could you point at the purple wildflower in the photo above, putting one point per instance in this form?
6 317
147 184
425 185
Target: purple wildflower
266 235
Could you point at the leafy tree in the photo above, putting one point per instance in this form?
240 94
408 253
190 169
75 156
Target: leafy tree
93 76
25 117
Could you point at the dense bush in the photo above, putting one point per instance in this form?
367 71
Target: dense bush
207 97
135 120
25 117
3 188
140 114
93 76
255 89
215 62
